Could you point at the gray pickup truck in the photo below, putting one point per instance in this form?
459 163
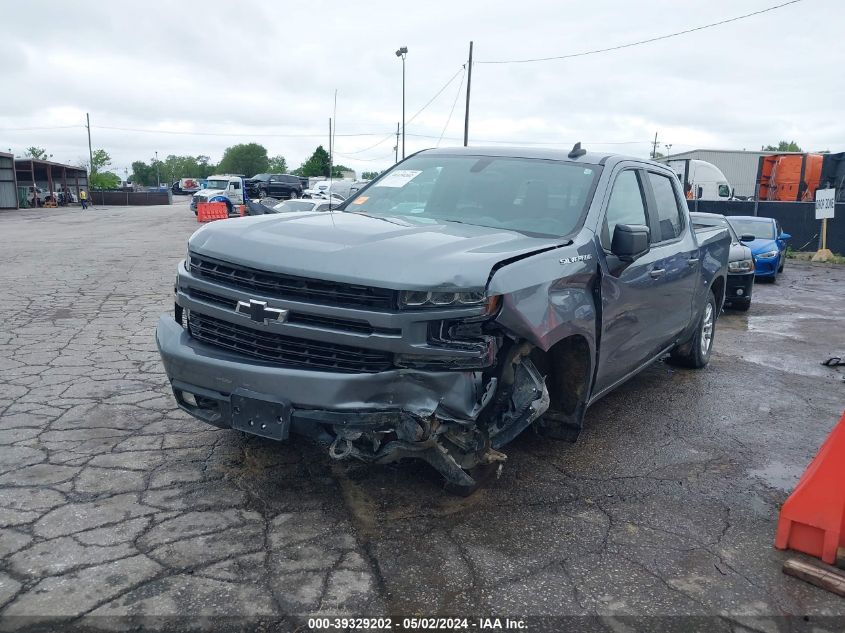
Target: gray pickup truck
459 298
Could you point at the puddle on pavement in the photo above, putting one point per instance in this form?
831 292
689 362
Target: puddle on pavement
778 475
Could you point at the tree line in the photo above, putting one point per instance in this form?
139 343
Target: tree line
248 159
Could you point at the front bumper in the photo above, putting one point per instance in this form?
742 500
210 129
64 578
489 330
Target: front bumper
306 399
740 287
766 267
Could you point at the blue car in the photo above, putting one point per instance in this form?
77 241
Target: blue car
766 240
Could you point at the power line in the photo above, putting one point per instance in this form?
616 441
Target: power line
27 129
454 103
640 42
229 134
439 92
520 142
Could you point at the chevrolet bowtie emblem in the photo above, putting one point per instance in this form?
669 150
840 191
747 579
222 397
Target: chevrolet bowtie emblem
260 313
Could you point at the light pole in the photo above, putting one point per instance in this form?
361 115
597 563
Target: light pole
402 52
158 175
668 146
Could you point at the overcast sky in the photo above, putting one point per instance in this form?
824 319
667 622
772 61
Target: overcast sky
267 72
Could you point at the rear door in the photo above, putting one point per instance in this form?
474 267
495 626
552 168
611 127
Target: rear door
275 187
675 252
629 313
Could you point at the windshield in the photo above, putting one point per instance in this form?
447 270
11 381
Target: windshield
262 177
760 229
294 205
533 196
699 221
217 184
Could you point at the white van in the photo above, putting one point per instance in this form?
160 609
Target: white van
701 180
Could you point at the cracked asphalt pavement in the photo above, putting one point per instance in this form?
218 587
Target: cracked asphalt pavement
114 503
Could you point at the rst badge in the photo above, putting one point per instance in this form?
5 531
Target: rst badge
576 258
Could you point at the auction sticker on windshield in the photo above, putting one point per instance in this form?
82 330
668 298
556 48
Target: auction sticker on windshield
398 178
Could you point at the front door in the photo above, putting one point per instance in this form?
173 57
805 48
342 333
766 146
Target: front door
629 313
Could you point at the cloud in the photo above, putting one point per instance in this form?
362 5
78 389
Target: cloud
257 71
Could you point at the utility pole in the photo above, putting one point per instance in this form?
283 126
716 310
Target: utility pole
654 148
158 173
330 148
469 85
396 147
90 151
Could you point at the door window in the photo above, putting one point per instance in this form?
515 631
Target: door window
669 214
626 205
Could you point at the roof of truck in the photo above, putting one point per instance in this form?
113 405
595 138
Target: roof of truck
596 158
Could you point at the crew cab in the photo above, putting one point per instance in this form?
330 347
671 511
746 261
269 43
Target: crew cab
460 298
222 188
281 186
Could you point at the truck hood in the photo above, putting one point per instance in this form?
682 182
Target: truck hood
355 248
207 193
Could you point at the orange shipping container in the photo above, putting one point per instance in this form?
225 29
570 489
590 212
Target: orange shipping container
789 177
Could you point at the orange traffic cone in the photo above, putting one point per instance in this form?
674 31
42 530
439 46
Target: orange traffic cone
813 518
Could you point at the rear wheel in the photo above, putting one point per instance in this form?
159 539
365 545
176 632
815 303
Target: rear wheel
294 195
695 352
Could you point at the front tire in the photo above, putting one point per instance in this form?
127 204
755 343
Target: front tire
695 353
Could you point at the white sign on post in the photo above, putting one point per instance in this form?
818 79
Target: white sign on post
825 203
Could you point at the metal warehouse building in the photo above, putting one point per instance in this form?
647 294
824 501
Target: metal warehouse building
49 176
739 166
8 182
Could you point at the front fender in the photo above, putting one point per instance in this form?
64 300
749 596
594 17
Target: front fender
549 296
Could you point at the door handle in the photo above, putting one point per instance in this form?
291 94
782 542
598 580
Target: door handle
692 261
657 272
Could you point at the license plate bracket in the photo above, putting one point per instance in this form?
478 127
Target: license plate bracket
260 415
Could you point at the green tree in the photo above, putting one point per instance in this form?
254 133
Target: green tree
104 180
369 175
337 170
783 146
100 158
38 153
277 165
143 174
316 165
248 159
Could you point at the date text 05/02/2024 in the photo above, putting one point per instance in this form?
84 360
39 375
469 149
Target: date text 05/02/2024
417 624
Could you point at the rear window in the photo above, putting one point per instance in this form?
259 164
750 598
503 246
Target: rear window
669 214
544 197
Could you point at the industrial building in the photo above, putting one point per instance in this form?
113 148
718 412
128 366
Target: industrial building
8 182
739 166
47 176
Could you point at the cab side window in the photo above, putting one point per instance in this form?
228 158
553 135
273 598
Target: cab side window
669 215
626 206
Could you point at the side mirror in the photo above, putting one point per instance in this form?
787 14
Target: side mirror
699 192
784 236
748 237
630 241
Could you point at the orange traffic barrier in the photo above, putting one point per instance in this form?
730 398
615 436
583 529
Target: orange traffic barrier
242 210
208 211
813 518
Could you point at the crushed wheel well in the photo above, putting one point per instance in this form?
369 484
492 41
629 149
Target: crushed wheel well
568 371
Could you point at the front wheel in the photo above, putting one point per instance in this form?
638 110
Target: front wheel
695 353
780 268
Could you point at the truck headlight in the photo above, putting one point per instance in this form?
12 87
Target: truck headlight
768 255
744 266
422 299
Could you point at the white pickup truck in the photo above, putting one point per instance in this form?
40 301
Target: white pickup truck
222 188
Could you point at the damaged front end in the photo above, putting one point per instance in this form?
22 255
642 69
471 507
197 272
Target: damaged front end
462 447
